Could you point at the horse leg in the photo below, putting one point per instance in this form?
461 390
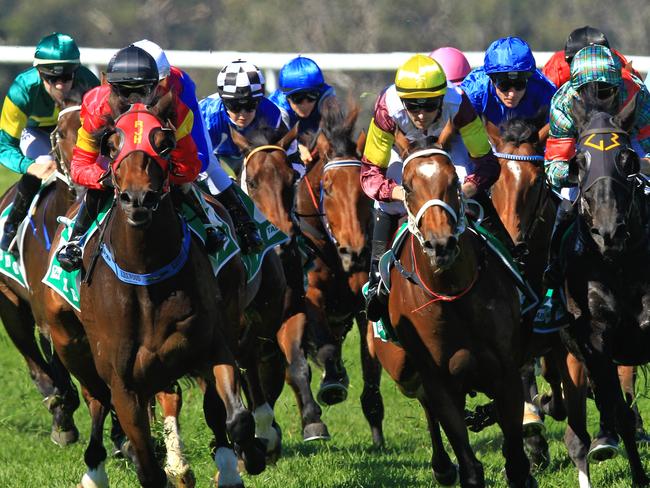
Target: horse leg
371 401
50 377
533 426
553 405
132 412
95 453
444 471
627 376
176 466
298 376
508 400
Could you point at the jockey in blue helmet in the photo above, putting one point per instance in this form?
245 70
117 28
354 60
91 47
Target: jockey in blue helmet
301 93
508 85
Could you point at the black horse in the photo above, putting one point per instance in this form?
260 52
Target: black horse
607 288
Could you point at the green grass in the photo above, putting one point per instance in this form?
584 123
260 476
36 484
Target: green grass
28 458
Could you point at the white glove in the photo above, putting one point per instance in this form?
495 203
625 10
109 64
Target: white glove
42 167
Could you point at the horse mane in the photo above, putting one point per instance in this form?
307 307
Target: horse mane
265 134
337 124
518 131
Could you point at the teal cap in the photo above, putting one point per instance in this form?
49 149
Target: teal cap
56 49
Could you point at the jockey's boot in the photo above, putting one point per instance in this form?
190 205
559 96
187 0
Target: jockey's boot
214 237
249 236
554 272
377 298
70 256
25 191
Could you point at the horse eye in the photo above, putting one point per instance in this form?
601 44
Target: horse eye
252 184
407 189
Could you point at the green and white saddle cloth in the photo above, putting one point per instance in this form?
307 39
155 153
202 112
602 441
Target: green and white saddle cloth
67 283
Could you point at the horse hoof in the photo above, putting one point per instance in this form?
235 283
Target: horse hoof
185 479
538 453
64 438
253 457
315 432
235 485
533 424
602 449
530 482
274 454
332 392
642 436
449 477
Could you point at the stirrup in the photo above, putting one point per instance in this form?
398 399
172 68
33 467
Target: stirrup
70 256
250 239
214 239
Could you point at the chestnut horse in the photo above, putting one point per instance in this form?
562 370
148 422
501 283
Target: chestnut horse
21 306
269 180
606 288
335 215
152 310
455 310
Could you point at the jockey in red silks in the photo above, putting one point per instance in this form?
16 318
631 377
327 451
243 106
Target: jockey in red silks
132 77
218 183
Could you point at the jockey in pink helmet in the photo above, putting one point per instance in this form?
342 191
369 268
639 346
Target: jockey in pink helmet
453 62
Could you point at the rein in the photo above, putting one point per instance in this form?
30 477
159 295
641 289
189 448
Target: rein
533 158
64 174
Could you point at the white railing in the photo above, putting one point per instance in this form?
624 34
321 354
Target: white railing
271 62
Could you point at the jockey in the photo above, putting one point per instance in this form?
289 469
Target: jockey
453 62
219 184
557 68
302 95
240 105
508 85
132 77
593 66
421 104
29 114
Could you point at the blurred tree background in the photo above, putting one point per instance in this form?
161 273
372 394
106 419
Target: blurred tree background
296 26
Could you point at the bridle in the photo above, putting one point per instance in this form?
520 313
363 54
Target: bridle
62 172
266 147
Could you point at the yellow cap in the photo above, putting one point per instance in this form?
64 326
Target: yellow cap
420 77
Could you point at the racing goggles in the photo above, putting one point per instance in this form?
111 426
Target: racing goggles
422 104
53 73
506 83
237 105
133 92
300 97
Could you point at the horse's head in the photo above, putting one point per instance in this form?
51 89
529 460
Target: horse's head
434 204
335 179
606 166
518 194
138 145
64 136
267 175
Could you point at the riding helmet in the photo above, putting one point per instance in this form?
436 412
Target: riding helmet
583 37
300 74
240 79
453 62
132 65
509 55
420 77
56 54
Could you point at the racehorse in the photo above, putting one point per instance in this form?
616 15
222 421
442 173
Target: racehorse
269 180
153 314
606 287
335 215
21 305
455 311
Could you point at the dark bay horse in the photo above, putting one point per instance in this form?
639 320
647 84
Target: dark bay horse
269 180
22 306
456 314
335 215
130 341
607 289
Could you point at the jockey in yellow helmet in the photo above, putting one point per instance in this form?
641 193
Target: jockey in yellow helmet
421 103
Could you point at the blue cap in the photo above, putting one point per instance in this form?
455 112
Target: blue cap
300 74
508 54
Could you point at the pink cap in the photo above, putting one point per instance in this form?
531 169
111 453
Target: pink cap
453 62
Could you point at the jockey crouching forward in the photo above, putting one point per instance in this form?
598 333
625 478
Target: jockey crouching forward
132 77
420 104
29 114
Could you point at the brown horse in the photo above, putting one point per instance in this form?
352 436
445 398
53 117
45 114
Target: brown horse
129 340
269 180
455 311
21 307
335 215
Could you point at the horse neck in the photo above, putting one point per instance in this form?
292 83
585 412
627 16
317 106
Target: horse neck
143 250
460 275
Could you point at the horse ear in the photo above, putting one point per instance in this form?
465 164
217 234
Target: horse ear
445 135
103 79
351 118
361 142
164 105
625 118
240 141
579 111
289 137
494 134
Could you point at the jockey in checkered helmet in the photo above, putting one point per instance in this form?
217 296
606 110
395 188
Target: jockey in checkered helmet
240 80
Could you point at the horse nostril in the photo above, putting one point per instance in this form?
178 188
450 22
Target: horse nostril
620 231
125 198
344 251
595 231
150 199
428 245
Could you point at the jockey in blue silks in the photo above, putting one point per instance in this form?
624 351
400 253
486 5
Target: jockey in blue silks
302 93
508 85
